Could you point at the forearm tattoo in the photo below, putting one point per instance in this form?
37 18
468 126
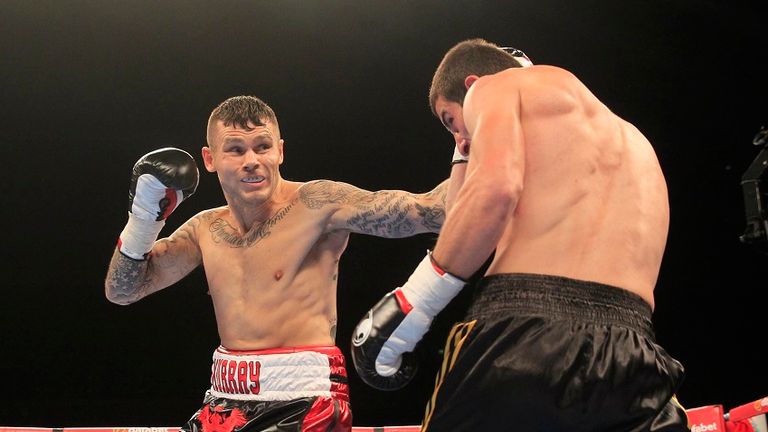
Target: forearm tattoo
130 280
385 215
223 232
433 216
127 278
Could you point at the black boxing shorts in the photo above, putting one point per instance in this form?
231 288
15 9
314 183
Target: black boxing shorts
548 353
286 389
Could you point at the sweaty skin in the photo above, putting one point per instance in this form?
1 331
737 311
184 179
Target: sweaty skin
561 185
271 255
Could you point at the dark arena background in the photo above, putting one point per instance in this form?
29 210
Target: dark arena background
87 87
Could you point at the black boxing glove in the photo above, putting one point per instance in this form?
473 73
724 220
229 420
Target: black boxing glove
371 334
384 339
161 180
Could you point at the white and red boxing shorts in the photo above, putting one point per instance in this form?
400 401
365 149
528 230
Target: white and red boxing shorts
302 389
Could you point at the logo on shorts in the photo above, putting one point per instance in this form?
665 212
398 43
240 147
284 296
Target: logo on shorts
220 419
701 427
363 329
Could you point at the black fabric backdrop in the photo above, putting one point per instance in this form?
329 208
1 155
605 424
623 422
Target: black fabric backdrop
89 86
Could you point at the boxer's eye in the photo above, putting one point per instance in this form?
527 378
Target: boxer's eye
448 123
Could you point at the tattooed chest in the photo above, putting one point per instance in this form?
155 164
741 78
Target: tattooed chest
222 232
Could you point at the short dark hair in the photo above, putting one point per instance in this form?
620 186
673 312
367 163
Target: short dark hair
470 57
242 111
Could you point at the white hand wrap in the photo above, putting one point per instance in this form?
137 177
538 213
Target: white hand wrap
139 236
150 192
430 288
142 229
429 291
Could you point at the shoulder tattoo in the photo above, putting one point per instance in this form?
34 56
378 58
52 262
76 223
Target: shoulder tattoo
318 193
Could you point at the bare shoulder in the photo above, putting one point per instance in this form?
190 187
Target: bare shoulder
190 230
530 79
206 216
552 72
553 79
538 73
317 194
540 89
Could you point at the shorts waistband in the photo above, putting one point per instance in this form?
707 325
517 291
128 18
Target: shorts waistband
560 298
279 374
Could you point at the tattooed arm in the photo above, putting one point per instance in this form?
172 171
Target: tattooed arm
386 213
171 259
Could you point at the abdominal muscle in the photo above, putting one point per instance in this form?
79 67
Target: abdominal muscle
263 314
278 293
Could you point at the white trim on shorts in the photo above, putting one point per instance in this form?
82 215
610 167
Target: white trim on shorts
270 375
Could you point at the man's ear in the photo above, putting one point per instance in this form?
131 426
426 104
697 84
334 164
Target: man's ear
282 147
208 159
469 80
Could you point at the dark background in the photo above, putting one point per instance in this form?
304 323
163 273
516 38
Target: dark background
90 86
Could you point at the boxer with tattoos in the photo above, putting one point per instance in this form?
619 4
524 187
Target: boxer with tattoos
271 257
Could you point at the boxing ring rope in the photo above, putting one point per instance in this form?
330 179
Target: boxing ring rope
175 429
750 417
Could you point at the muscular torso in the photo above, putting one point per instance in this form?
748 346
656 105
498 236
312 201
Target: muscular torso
272 273
594 202
275 286
271 255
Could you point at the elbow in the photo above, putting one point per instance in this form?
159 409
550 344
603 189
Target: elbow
114 296
508 195
119 301
501 195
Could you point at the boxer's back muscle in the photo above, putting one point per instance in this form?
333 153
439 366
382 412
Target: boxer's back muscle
594 202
